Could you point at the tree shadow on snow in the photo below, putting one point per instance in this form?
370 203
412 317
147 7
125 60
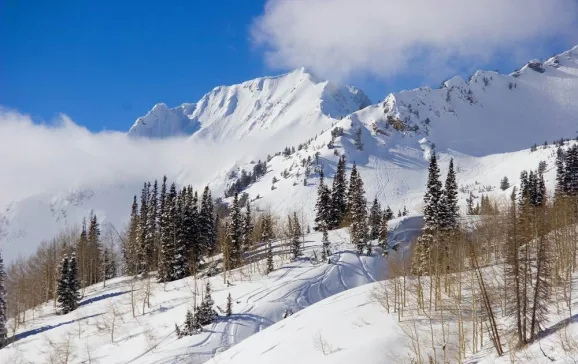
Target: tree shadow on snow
42 329
102 297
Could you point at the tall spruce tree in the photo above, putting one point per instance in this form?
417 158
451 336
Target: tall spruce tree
181 251
143 234
383 231
375 218
129 248
153 237
73 284
206 314
448 209
338 195
168 236
207 227
323 205
3 312
296 237
235 233
431 227
357 211
247 228
62 288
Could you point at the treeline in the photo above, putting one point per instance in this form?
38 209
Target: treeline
344 204
246 178
171 231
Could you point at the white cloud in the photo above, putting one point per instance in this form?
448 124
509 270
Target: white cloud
38 158
341 38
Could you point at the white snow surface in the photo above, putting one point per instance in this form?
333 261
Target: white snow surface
149 337
487 129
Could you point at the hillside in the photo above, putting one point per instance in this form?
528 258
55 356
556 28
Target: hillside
486 124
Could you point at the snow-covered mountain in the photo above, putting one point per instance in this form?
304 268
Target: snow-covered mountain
267 104
486 124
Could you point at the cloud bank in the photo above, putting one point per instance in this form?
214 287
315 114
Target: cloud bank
342 38
37 158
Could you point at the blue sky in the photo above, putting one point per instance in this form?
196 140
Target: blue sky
105 63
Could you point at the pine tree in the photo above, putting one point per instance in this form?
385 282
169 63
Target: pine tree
129 246
207 232
73 284
375 217
83 247
560 173
206 313
168 236
62 287
389 214
338 195
448 208
266 237
383 231
432 198
247 228
504 183
358 139
323 205
190 230
3 312
181 251
296 235
153 237
190 325
229 310
325 245
357 211
143 234
235 233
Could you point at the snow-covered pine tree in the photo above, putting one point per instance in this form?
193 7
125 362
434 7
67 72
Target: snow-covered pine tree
62 288
560 173
206 313
389 213
431 217
235 233
448 208
266 237
296 237
207 227
504 183
375 217
95 251
323 205
338 195
73 284
383 231
571 171
3 312
181 256
325 245
357 211
168 235
143 229
129 246
229 309
190 229
358 139
189 326
247 228
83 249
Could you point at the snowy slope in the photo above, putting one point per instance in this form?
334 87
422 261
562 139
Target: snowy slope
268 104
260 301
487 129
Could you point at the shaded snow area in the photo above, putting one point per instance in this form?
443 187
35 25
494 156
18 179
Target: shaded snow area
103 327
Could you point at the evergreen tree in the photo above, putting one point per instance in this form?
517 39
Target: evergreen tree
504 183
358 139
189 326
448 208
357 211
181 245
323 205
389 214
235 233
338 195
168 236
207 227
143 234
73 284
206 313
325 245
432 198
152 226
383 231
375 217
296 235
129 247
62 296
247 228
190 229
229 310
3 312
560 173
